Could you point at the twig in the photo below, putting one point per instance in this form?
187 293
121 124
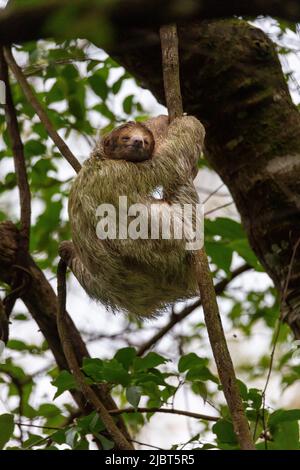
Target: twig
32 99
276 337
212 317
147 445
176 318
211 211
115 433
211 194
173 411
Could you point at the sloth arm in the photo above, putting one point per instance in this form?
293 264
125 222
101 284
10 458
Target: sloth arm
175 159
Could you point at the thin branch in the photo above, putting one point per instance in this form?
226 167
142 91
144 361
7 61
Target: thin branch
211 194
18 154
221 353
4 323
177 318
275 341
34 102
211 211
173 411
170 61
147 445
115 433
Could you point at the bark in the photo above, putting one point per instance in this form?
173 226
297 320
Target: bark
35 20
233 82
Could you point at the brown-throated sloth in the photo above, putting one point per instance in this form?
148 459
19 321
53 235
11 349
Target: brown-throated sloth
152 164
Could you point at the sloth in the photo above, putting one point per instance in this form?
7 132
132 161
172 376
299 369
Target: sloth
153 164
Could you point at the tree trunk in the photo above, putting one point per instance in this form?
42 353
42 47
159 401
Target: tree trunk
233 82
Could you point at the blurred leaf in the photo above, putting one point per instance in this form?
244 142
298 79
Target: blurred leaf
151 360
133 395
6 428
63 382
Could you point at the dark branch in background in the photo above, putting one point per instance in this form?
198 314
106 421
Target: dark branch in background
21 278
3 323
88 392
18 154
33 101
177 318
41 302
170 62
173 411
20 23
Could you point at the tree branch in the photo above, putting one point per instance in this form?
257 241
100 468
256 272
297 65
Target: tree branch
233 83
41 302
170 62
174 411
23 22
18 153
112 428
34 102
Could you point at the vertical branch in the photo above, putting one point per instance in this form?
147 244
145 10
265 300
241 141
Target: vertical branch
170 61
118 437
18 154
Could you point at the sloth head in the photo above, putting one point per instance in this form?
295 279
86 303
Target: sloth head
131 141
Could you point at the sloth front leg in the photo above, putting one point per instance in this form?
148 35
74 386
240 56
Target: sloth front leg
90 284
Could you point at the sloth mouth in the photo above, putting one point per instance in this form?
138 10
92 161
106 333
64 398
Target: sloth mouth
138 148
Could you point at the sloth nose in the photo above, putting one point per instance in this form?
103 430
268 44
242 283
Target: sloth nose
138 142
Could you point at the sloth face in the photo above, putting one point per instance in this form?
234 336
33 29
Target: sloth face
132 142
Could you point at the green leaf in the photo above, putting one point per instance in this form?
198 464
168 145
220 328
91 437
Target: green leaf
33 440
286 436
72 436
191 360
201 374
243 248
243 389
110 371
114 372
255 396
98 85
148 362
133 395
224 431
93 367
280 416
90 423
7 427
34 147
226 228
65 381
220 255
126 357
48 410
128 104
106 443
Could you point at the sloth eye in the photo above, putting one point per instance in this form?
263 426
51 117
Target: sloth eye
125 138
